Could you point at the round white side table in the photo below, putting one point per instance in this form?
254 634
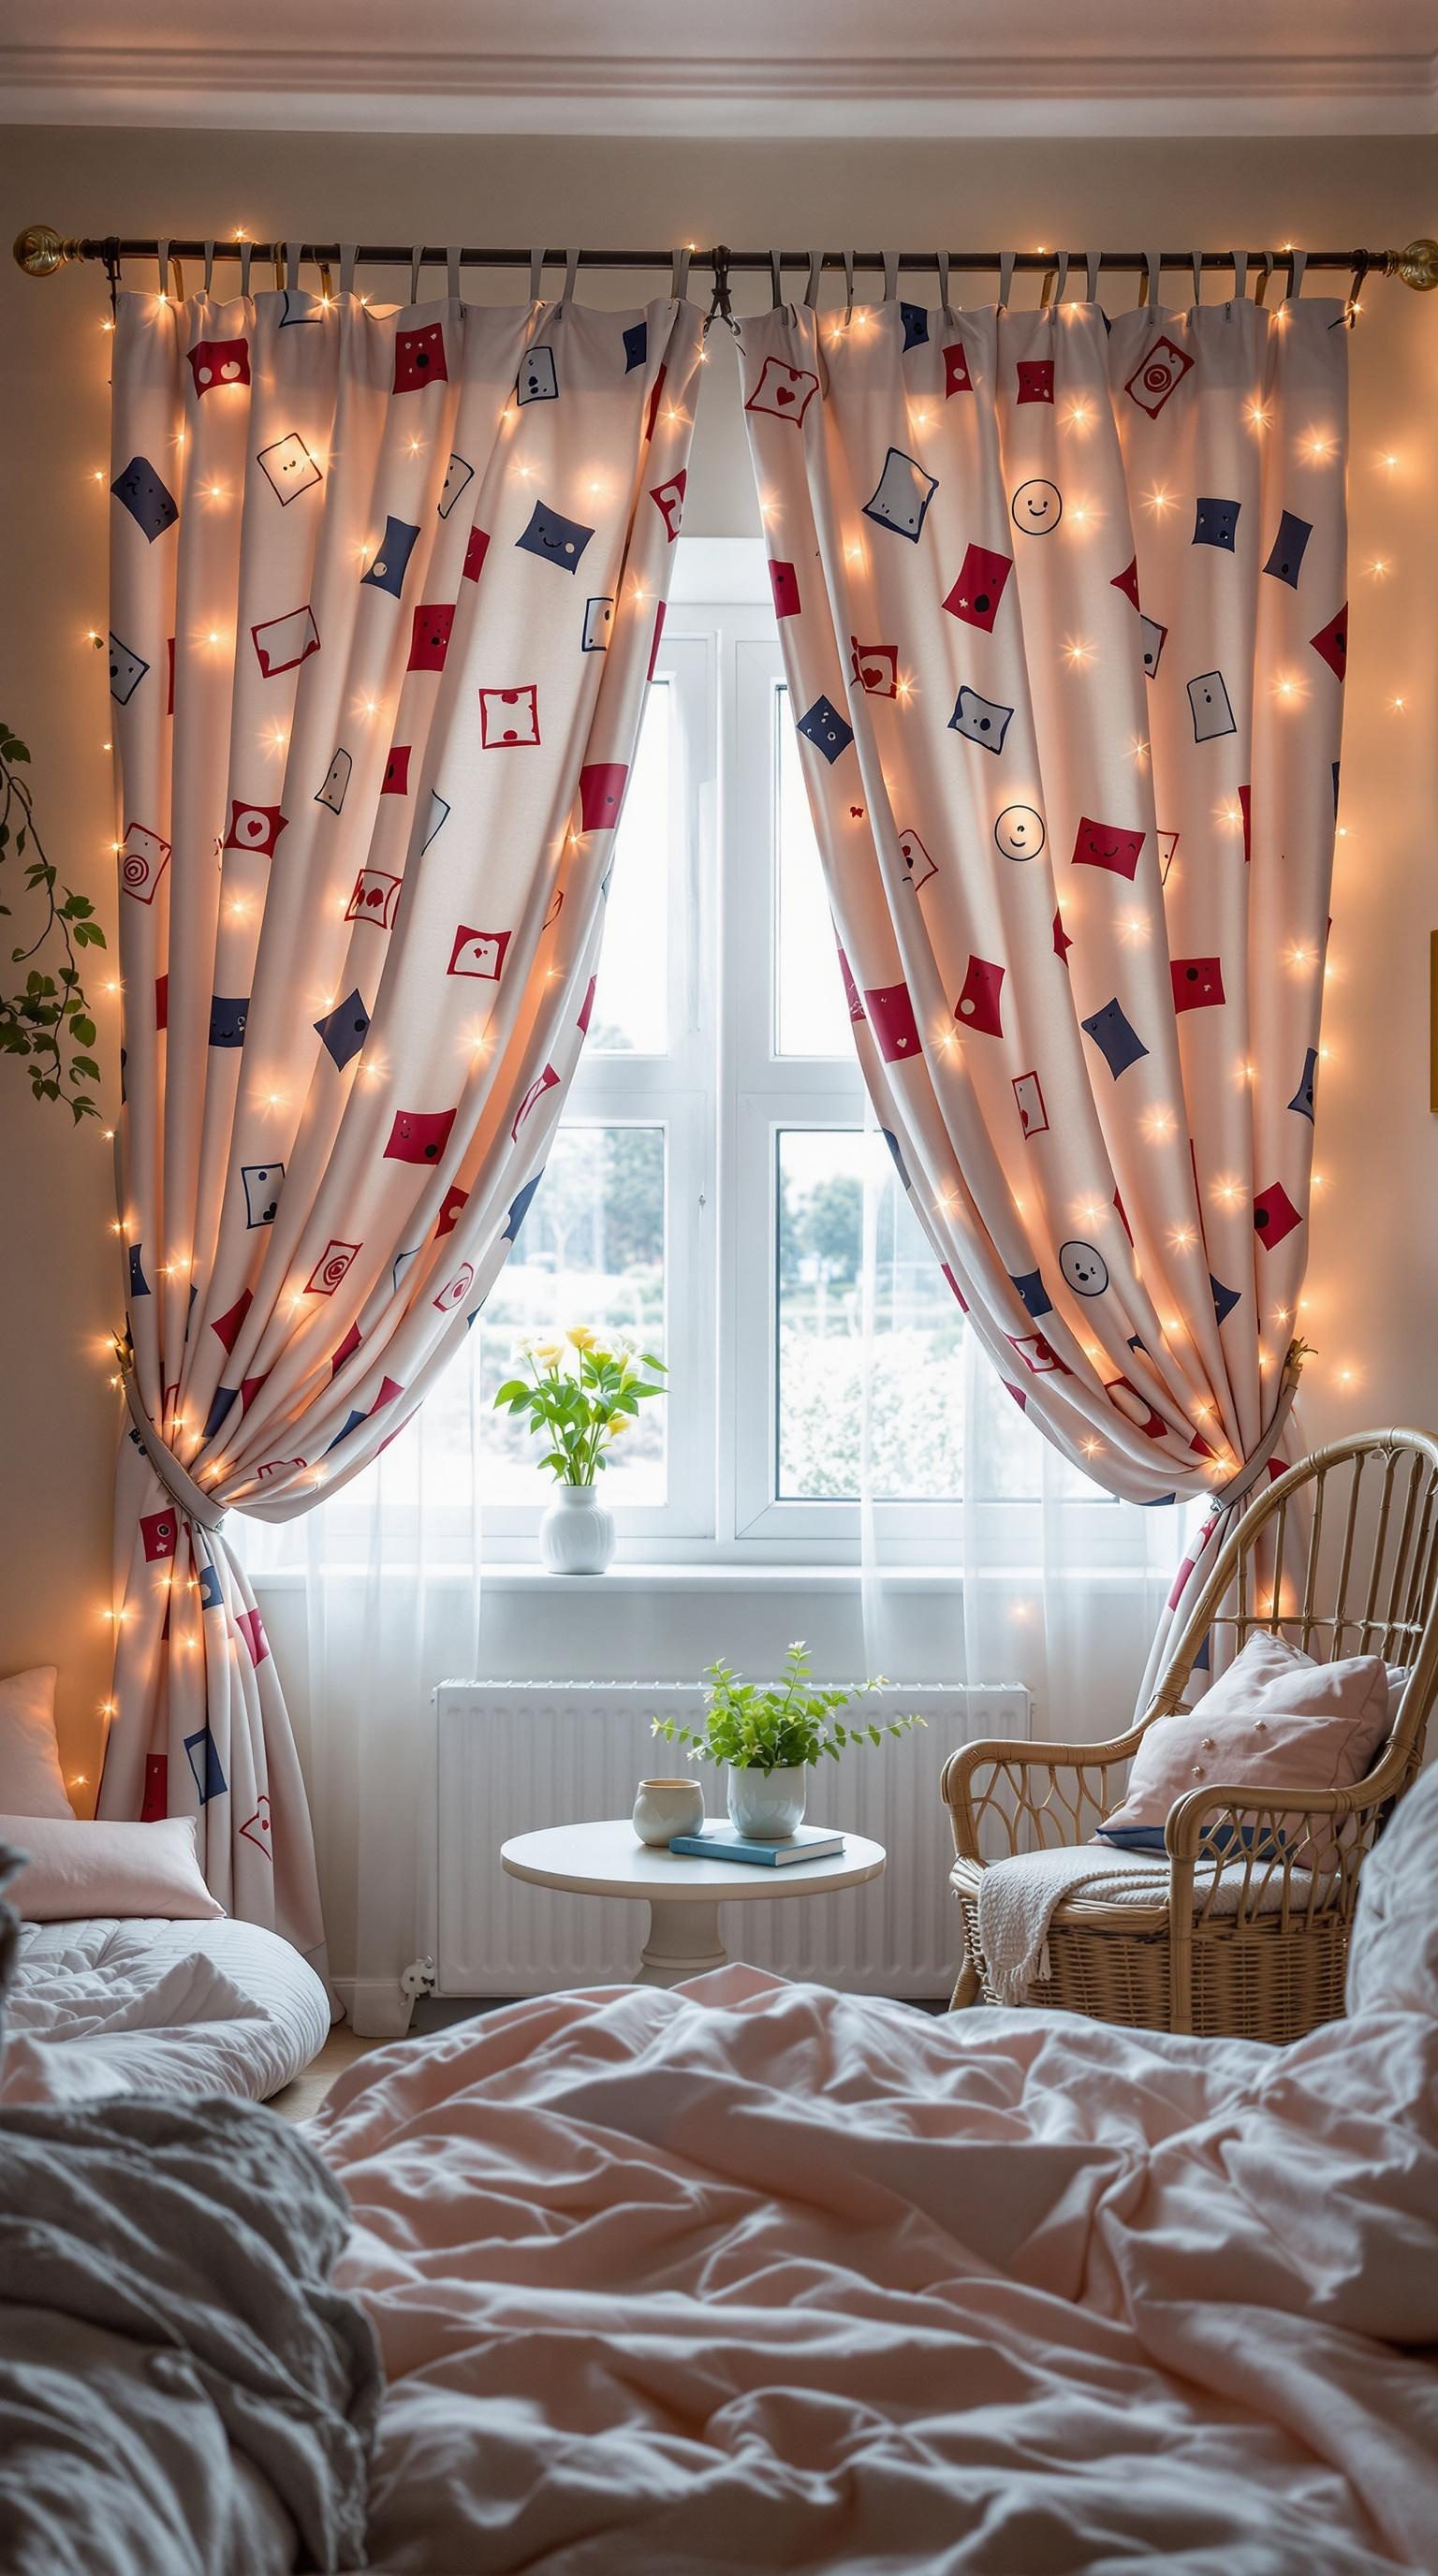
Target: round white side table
684 1895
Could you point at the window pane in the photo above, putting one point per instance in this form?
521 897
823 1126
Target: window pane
913 1362
590 1251
631 1002
811 1014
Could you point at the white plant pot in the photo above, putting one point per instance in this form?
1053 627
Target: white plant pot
665 1808
576 1535
767 1805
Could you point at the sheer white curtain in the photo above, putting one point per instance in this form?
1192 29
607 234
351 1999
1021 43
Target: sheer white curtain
1029 1572
370 1601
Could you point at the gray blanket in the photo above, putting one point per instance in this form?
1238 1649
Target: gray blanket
182 2393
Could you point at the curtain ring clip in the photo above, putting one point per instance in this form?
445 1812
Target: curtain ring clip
721 308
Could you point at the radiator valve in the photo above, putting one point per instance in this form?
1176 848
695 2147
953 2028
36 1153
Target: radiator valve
419 1979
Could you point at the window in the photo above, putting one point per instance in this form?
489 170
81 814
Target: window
716 1186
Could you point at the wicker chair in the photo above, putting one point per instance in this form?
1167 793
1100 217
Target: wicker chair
1340 1556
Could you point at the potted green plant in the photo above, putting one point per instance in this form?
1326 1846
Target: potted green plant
770 1738
582 1393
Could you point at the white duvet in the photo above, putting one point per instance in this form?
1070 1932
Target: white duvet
755 2276
138 2006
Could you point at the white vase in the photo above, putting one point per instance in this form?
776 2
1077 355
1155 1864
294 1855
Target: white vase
767 1805
576 1535
665 1808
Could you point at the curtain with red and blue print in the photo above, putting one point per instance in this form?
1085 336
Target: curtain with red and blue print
386 590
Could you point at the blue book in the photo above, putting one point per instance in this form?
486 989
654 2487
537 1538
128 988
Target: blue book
721 1842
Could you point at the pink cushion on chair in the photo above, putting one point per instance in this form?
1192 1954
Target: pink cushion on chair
76 1868
31 1780
1274 1720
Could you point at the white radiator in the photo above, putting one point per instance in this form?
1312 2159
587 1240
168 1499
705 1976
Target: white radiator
514 1756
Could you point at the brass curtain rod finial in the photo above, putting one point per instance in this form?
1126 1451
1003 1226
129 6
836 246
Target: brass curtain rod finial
1417 265
40 250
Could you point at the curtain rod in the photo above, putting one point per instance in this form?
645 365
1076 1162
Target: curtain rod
40 250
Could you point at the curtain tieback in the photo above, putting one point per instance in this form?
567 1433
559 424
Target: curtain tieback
1239 1487
197 1506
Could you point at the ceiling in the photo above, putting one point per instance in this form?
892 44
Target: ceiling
797 68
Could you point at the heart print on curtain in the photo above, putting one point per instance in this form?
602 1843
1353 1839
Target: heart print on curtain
1062 606
386 591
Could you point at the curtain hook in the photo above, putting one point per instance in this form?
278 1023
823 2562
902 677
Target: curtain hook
348 252
209 266
942 258
1297 263
277 265
848 288
327 284
294 252
1361 267
815 287
891 275
416 263
1152 275
1006 278
721 305
162 253
451 273
246 253
571 266
536 277
1195 261
1093 263
1266 260
1240 275
1061 289
679 274
776 281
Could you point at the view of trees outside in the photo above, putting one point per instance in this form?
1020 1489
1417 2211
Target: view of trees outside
912 1359
590 1251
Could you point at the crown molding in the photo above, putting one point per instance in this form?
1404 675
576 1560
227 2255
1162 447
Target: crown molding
405 90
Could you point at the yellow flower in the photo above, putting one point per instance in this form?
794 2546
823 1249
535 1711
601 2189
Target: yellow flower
581 1336
618 1422
551 1353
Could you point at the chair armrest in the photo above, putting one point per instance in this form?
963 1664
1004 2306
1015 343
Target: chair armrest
1037 1808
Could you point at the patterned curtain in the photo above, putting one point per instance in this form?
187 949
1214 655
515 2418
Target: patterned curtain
1062 609
386 591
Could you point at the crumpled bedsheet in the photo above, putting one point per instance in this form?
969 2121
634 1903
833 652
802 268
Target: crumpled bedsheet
183 2391
758 2276
102 2007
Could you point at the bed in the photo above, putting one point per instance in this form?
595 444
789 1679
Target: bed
103 2007
748 2275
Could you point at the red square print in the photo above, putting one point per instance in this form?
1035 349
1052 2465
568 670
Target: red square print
1107 845
433 626
474 553
980 586
418 1135
784 582
978 1004
891 1016
601 794
1197 983
419 358
957 379
395 781
508 719
1274 1215
159 1533
1036 380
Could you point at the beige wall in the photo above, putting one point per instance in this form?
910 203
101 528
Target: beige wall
1371 1307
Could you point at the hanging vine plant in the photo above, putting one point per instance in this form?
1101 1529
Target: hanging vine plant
46 1017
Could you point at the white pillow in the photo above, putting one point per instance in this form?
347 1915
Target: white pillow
31 1780
79 1868
1393 1955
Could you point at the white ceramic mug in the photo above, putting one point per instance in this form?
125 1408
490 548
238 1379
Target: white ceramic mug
665 1808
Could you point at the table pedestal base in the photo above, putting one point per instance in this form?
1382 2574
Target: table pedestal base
683 1942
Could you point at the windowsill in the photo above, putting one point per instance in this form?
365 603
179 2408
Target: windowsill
720 1576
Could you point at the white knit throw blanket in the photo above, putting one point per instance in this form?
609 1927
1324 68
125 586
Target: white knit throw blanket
1017 1899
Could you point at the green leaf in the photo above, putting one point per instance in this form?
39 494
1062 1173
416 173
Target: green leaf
83 1031
84 1068
512 1387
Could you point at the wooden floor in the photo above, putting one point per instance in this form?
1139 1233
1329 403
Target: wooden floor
301 2100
